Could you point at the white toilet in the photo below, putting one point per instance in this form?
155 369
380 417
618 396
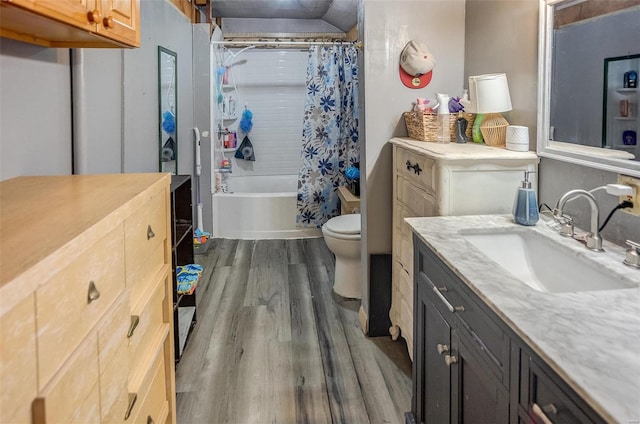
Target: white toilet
342 235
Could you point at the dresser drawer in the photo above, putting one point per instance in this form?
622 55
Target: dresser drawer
75 384
416 200
146 233
446 293
114 394
149 388
64 310
154 406
416 168
18 362
112 331
150 320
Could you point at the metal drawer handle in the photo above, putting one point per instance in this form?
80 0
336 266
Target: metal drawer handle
450 359
135 320
409 166
540 412
149 419
93 293
450 307
416 169
133 397
150 233
442 348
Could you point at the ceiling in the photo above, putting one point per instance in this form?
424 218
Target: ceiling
342 14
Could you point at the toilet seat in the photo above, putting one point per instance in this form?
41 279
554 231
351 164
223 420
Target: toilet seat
345 227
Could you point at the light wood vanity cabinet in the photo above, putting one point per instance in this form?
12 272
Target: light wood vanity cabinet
85 300
432 179
72 23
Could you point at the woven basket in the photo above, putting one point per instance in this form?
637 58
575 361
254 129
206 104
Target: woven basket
424 126
471 118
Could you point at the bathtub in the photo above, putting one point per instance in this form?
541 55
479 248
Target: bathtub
259 207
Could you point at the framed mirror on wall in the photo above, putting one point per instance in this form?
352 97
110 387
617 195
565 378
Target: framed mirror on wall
576 39
168 110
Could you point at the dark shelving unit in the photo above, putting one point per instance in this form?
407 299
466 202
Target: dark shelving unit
184 305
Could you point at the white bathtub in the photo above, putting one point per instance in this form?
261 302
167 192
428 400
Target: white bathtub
259 207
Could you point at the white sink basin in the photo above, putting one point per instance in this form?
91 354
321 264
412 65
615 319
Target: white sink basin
544 264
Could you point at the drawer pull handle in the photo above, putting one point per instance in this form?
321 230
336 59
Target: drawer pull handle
450 307
135 320
540 412
150 233
450 359
416 169
133 397
442 348
409 166
93 16
149 419
93 293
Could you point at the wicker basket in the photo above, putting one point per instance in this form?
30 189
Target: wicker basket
424 126
471 118
494 130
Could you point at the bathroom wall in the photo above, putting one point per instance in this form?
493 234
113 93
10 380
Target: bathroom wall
511 28
271 83
35 110
119 102
388 26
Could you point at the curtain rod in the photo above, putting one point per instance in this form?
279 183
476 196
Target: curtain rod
276 43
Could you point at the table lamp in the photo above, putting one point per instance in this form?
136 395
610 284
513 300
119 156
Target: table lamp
490 96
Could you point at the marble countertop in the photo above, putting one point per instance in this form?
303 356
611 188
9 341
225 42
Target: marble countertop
591 339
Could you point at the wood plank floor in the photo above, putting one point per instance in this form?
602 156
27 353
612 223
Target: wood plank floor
274 344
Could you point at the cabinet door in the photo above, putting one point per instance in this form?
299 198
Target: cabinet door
432 379
120 21
477 395
73 12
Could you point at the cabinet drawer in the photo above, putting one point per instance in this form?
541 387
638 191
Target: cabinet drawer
150 320
18 362
154 406
73 384
416 200
546 397
416 168
149 387
64 311
453 302
112 331
113 387
146 233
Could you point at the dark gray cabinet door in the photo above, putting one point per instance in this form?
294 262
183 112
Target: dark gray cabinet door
477 395
436 374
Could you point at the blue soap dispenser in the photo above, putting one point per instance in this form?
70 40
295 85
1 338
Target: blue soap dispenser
525 205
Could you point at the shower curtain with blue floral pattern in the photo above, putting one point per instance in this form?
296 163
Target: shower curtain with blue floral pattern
329 132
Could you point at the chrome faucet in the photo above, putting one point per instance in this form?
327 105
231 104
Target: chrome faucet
593 239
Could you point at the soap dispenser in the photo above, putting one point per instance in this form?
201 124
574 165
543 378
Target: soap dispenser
525 205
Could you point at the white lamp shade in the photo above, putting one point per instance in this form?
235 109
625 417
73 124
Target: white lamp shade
489 93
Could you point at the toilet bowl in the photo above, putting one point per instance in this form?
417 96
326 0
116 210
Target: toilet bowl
342 235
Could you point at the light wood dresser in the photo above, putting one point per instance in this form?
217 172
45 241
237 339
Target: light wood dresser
433 179
86 319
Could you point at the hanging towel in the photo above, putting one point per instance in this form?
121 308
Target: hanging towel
245 151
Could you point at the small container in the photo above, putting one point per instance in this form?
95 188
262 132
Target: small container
629 138
624 108
630 79
525 204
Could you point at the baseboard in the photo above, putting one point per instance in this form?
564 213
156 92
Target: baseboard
364 320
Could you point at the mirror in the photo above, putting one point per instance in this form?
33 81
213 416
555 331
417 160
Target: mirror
584 47
168 109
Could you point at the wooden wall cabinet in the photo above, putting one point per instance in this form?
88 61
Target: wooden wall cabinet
85 308
470 368
72 23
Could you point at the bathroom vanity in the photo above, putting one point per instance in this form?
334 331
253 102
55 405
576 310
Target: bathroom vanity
490 348
432 179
